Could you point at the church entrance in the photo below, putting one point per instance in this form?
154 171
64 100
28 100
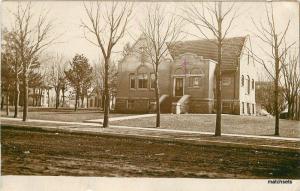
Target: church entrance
178 87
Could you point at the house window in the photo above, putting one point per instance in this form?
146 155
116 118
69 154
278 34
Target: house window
248 108
132 81
152 82
253 108
130 104
253 84
142 81
195 81
243 108
248 57
248 84
243 80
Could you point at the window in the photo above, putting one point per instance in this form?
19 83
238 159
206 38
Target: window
152 82
130 104
253 110
195 78
132 81
253 84
194 81
248 84
243 80
248 109
243 108
248 57
142 81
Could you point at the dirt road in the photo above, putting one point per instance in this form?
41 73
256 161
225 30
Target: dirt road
37 152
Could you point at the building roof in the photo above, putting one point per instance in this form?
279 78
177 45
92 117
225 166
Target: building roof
232 48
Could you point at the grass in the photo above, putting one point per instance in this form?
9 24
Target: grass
251 125
66 115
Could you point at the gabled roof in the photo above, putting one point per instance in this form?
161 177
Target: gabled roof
232 48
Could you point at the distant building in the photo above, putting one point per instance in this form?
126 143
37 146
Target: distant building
187 79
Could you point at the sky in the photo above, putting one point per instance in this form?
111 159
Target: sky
68 17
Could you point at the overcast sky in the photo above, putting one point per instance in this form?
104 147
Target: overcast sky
69 14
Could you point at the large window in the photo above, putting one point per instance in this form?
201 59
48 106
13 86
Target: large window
142 81
195 81
152 82
243 80
243 108
132 81
248 85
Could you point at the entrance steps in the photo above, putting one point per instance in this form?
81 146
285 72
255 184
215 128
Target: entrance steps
165 104
182 105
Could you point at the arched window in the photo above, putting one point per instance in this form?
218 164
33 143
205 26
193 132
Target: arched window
248 84
253 84
196 71
179 71
242 80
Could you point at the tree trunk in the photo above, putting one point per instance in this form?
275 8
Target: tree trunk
219 76
63 97
289 113
219 97
2 102
7 102
25 98
157 100
106 95
48 94
87 101
82 100
33 97
276 93
76 100
57 94
17 97
40 96
102 100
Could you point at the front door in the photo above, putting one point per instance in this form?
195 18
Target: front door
178 86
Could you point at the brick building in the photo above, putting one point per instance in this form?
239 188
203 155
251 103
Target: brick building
187 79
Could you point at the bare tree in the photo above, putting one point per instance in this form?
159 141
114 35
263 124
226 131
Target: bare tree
57 76
215 21
107 22
274 39
31 35
11 59
291 81
160 31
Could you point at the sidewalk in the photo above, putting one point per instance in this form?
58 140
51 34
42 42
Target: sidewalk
120 118
189 137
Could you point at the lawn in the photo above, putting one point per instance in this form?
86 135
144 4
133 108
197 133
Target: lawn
252 125
67 115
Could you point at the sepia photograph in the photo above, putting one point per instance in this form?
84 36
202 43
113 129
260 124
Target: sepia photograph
172 93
